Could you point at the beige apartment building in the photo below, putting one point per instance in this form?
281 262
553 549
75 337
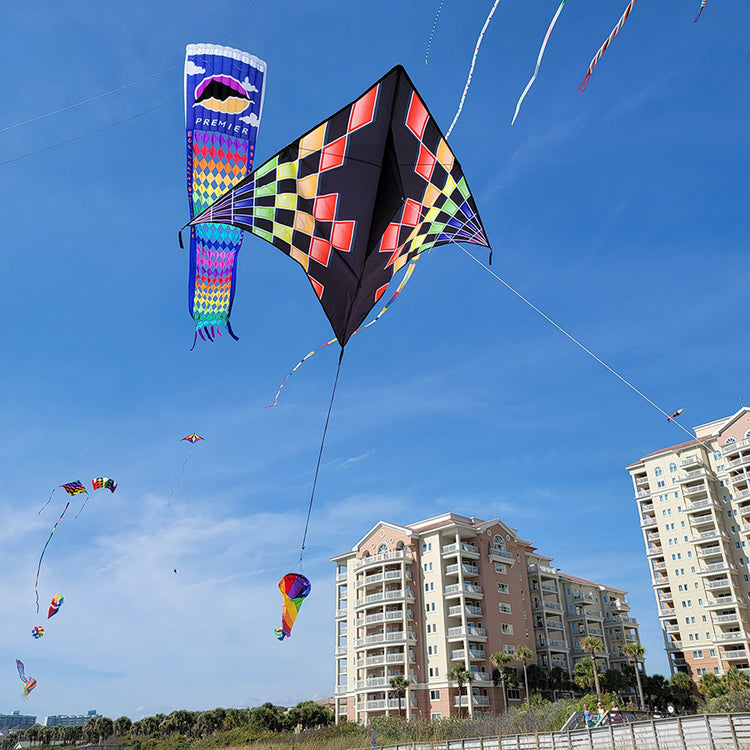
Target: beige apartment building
694 505
418 600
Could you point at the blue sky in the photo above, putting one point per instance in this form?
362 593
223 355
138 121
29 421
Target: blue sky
620 212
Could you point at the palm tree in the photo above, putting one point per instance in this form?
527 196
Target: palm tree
500 660
635 652
735 680
592 645
399 684
461 676
524 654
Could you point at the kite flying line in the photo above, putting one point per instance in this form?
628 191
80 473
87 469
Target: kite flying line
471 69
538 60
577 342
119 88
320 456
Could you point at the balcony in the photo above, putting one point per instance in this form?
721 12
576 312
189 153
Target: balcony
692 476
714 567
555 625
340 577
659 566
481 676
665 596
692 462
723 601
551 587
698 504
648 522
641 482
647 507
700 489
709 551
721 583
472 610
340 613
464 549
702 520
655 551
468 570
496 554
735 653
738 462
738 635
723 619
382 557
585 598
672 628
381 638
734 447
467 632
556 645
705 536
543 570
370 580
476 700
674 646
468 589
475 654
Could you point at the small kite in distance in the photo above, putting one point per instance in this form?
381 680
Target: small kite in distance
294 588
676 414
193 438
37 631
55 605
703 5
29 683
104 483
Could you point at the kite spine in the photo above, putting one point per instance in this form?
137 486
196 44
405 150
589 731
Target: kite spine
606 44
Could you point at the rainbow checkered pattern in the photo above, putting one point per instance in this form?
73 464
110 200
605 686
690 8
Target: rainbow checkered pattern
223 101
357 197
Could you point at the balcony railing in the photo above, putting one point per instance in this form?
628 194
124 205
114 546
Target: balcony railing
471 549
468 632
381 557
733 636
735 446
474 654
476 700
467 588
498 552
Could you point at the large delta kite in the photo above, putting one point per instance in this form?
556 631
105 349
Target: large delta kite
356 198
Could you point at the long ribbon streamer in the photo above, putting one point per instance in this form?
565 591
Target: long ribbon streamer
538 60
471 69
703 5
410 269
44 549
432 32
606 44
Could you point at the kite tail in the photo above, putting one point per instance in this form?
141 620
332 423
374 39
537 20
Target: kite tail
471 69
703 5
606 44
409 270
432 32
84 505
44 549
48 501
538 62
179 476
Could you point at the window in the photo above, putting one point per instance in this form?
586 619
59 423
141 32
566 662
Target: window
503 588
429 650
435 696
501 568
498 542
504 607
436 717
383 548
506 628
508 649
672 467
697 654
658 472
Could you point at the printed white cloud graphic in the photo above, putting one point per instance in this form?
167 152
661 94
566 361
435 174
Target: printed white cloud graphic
192 69
249 86
251 119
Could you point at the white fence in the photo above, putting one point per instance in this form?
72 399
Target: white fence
705 732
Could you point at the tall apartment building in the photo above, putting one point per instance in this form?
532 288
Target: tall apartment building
418 600
694 504
16 721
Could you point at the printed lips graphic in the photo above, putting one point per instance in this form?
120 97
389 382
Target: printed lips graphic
222 93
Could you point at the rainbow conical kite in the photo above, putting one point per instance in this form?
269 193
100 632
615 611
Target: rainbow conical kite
294 588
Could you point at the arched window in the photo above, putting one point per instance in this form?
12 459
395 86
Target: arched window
498 542
747 435
657 471
672 467
730 440
399 544
383 548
